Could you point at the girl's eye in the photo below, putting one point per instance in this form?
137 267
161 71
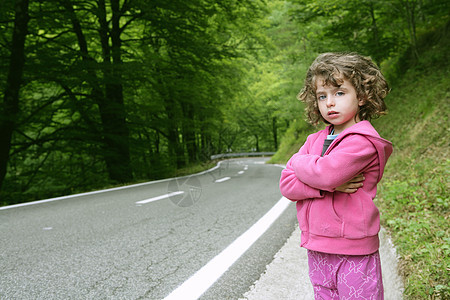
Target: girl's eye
321 97
340 94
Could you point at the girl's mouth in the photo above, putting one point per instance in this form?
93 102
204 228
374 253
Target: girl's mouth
330 113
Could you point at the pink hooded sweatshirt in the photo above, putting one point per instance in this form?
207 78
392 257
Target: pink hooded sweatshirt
331 221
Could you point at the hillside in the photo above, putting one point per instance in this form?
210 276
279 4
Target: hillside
413 195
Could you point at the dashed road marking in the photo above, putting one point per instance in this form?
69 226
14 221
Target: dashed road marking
223 179
160 197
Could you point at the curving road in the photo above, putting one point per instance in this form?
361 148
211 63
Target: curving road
145 241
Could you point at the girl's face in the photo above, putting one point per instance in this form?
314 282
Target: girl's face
338 105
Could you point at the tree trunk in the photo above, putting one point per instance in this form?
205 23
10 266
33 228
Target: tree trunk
256 142
114 130
412 26
275 133
375 32
189 132
10 105
410 7
112 108
176 151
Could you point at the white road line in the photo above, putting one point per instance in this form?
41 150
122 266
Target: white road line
241 172
204 278
223 179
160 197
107 190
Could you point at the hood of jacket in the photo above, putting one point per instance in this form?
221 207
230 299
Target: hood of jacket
384 147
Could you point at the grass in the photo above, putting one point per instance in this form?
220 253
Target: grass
413 196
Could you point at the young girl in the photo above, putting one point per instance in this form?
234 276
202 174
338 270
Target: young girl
333 178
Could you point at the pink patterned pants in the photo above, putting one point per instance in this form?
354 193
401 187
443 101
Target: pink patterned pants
345 277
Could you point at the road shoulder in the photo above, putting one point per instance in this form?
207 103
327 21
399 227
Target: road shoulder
286 277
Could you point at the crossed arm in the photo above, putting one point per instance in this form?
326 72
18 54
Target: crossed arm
307 175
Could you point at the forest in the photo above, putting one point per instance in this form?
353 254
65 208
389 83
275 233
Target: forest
98 93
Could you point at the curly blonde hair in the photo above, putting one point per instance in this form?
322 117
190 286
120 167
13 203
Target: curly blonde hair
333 69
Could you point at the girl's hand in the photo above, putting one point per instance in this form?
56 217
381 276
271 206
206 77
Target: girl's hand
352 185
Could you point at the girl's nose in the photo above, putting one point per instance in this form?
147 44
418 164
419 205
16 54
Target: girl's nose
330 101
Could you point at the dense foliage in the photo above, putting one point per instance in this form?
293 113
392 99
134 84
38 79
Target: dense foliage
98 92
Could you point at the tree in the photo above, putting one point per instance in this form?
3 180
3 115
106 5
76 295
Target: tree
375 28
121 89
110 102
362 26
10 105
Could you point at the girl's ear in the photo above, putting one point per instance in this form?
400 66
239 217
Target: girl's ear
361 102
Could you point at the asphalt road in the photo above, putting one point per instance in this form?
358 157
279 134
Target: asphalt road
143 241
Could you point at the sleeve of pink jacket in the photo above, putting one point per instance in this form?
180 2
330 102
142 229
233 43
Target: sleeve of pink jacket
353 154
291 187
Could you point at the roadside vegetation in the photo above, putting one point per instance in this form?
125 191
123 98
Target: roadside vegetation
414 194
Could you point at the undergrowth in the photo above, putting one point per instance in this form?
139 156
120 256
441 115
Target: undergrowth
413 196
